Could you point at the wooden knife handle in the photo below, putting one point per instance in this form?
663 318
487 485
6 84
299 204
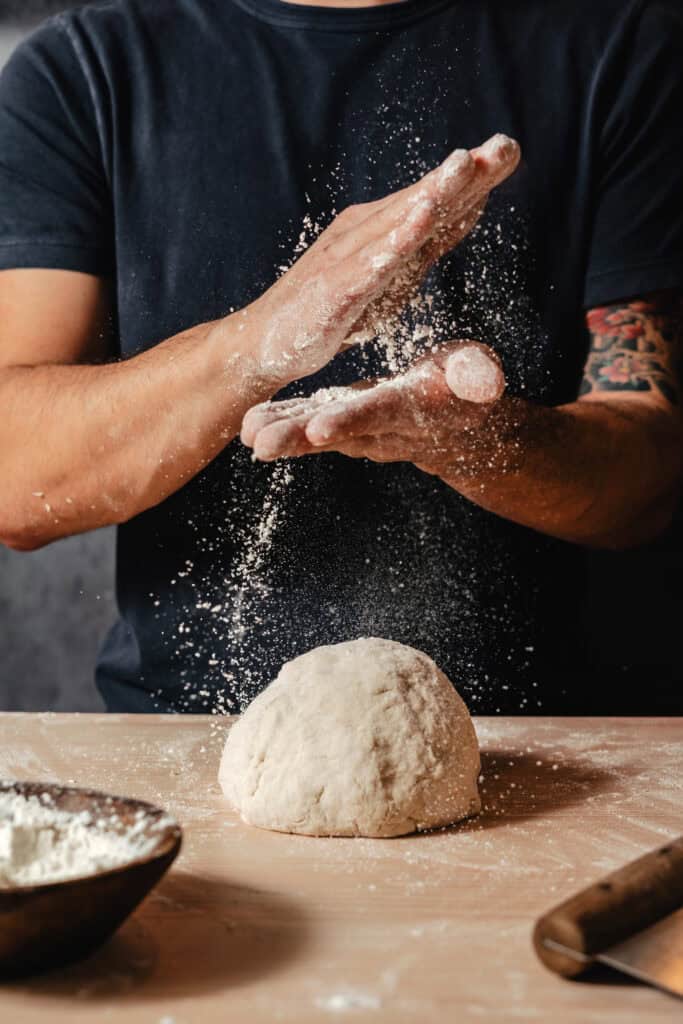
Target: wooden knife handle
613 909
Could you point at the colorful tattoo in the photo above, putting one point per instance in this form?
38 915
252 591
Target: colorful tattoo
636 346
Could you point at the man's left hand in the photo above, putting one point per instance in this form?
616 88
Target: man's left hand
429 416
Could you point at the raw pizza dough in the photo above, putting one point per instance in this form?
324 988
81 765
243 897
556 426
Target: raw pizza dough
365 738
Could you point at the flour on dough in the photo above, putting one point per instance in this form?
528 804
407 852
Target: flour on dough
364 738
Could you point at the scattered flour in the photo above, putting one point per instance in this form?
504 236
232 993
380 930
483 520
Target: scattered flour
347 1001
251 583
40 843
482 295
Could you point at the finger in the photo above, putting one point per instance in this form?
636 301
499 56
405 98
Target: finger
375 411
368 272
452 234
389 213
283 437
279 428
462 175
387 448
380 314
495 161
261 415
292 444
266 413
437 223
405 404
398 290
474 374
392 448
253 420
498 156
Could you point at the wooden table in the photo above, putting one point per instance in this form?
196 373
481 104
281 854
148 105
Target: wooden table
255 926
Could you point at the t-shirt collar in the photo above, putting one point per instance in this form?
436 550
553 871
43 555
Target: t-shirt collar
341 19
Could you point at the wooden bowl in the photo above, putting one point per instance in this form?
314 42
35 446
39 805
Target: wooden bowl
52 924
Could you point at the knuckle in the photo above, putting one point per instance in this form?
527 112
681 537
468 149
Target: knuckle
350 212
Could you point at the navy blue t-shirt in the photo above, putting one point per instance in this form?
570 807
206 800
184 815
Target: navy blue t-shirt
181 147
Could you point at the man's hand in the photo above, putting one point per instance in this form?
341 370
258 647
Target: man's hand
603 471
368 263
427 416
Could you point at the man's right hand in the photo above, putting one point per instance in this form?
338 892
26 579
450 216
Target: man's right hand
368 262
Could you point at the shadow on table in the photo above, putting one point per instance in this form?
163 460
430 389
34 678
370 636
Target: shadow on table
192 935
518 786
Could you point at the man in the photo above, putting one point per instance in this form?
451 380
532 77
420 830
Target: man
158 159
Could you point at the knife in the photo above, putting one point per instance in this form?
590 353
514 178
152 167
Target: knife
631 920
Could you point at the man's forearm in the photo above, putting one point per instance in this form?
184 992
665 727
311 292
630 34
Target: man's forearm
88 446
601 471
591 472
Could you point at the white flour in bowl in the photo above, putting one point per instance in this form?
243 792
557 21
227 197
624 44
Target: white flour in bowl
40 843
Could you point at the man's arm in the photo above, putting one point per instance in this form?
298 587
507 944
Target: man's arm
84 445
605 471
635 349
602 471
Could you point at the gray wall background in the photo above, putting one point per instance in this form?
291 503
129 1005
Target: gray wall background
55 604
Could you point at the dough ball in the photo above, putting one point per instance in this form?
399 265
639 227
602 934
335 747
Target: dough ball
365 738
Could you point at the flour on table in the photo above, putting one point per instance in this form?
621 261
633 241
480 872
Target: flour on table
348 1000
364 738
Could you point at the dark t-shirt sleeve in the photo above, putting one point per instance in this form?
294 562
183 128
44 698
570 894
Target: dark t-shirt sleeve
637 237
55 209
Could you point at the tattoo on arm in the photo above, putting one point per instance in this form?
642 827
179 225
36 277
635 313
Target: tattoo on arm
636 346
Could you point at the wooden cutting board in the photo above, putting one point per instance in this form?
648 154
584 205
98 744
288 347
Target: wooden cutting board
255 926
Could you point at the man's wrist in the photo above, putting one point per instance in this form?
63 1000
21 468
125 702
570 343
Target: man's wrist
495 447
235 357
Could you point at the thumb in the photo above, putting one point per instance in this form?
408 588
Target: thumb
474 374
